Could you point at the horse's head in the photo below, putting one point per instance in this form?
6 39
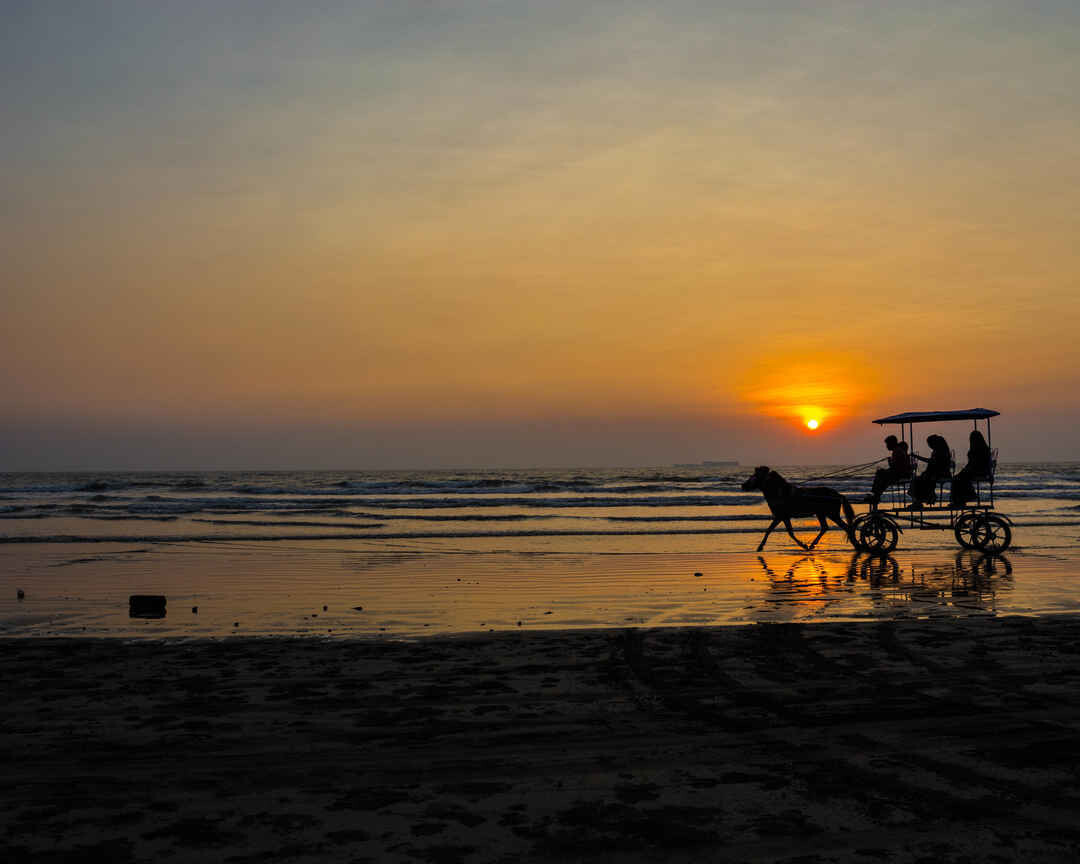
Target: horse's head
757 479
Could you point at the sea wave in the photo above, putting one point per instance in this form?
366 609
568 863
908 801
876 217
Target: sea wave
612 481
343 504
400 535
157 504
161 507
419 535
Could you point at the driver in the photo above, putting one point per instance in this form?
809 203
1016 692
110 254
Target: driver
899 468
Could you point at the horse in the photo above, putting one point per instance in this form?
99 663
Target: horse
786 501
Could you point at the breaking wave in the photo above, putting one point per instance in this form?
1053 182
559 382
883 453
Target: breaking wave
59 507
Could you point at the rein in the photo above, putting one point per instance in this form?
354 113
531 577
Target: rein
849 471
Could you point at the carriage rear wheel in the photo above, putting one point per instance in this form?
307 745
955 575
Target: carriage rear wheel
964 529
992 533
875 533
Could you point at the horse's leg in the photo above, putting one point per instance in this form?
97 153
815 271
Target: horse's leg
791 533
768 531
824 527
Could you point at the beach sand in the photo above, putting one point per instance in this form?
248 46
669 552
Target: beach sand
919 740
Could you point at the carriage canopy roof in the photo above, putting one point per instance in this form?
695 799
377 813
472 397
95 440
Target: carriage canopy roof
937 416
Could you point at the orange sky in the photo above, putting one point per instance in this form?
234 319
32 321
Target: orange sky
459 223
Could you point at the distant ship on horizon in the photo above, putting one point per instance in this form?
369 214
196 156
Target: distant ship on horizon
710 463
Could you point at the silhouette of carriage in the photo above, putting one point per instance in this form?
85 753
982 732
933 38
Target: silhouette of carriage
975 524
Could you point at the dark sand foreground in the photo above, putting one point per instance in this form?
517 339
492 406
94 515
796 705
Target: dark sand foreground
950 740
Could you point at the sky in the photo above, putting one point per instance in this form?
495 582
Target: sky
494 233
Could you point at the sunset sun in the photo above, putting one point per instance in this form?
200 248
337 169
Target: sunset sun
811 424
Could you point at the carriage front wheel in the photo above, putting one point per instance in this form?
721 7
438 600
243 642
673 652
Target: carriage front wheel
875 533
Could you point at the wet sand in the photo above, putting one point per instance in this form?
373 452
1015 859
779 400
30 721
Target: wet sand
917 740
324 589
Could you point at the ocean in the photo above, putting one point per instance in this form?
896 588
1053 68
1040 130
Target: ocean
408 553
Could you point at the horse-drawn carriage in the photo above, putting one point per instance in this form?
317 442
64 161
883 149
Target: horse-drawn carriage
973 522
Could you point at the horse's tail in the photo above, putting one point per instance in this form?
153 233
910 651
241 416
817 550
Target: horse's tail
849 515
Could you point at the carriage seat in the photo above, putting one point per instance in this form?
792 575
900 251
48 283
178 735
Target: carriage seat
988 475
947 479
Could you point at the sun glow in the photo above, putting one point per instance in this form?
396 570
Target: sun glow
809 390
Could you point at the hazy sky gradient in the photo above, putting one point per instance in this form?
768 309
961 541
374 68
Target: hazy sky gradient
514 233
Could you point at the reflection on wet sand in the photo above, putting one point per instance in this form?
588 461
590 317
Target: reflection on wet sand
323 591
972 580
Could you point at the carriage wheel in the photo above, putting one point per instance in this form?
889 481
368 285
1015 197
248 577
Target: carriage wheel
965 530
857 525
876 533
992 534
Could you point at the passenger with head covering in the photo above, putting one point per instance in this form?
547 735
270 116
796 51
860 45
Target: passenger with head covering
979 465
938 467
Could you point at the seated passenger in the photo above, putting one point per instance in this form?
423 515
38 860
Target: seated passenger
899 468
978 466
938 467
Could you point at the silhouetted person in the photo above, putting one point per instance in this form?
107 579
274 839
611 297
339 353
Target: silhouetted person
938 467
978 466
899 468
